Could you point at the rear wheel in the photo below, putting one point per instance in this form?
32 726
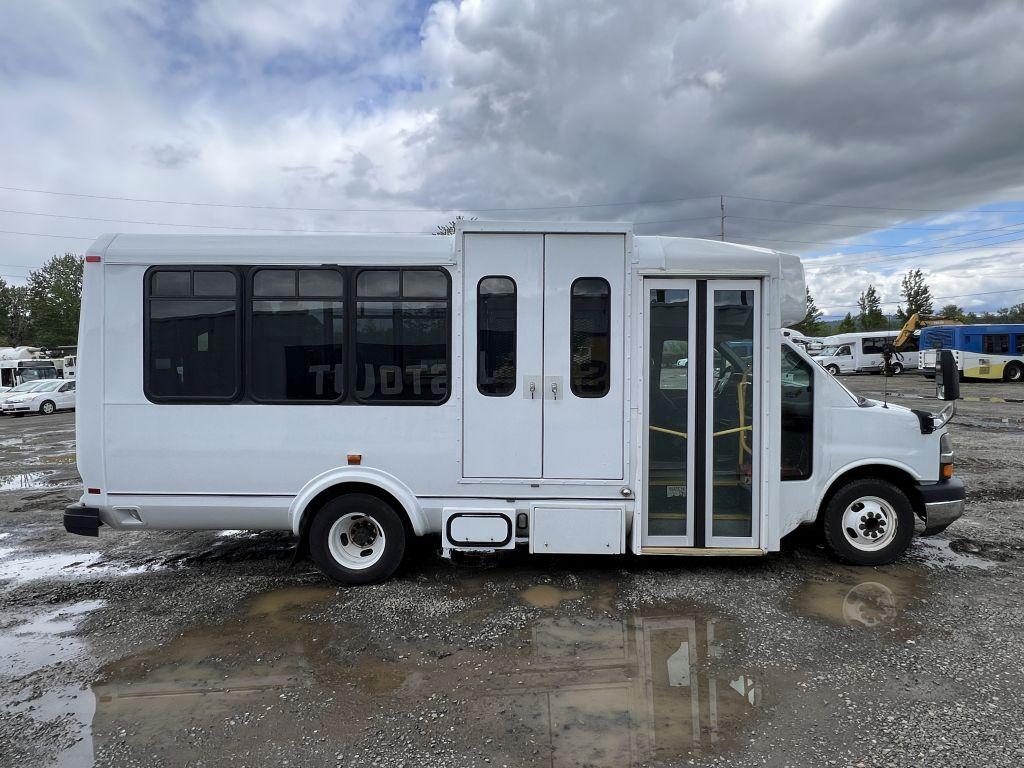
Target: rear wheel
47 407
357 539
1013 372
896 368
833 369
868 522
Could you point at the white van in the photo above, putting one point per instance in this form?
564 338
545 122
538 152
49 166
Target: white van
514 384
862 352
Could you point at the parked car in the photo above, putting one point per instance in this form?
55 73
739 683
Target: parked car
49 396
9 392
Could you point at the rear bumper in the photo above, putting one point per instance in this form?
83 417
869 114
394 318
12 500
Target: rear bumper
84 521
941 503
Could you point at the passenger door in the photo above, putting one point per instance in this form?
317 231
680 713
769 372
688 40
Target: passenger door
542 356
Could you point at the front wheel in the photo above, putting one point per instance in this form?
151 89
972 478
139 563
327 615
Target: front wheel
357 539
868 522
833 369
47 408
1013 372
897 369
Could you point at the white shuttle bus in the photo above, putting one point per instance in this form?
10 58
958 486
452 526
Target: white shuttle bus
569 388
862 352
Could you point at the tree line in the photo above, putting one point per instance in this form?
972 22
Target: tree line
917 299
44 312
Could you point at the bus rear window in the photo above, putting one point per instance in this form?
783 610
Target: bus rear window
192 342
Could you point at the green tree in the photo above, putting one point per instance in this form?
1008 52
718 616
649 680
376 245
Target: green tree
811 325
952 312
15 318
846 325
55 300
916 294
870 317
449 228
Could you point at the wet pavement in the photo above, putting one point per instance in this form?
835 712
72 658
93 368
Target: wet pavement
205 648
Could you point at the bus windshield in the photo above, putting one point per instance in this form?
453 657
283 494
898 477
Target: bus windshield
33 374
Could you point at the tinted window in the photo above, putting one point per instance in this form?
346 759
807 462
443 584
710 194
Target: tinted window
1018 348
590 337
996 343
296 345
424 284
872 345
496 336
797 416
402 347
170 283
192 341
378 283
213 283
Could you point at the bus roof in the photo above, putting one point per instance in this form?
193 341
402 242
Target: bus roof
651 253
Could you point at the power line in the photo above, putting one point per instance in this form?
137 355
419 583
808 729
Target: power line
875 207
353 210
46 234
859 226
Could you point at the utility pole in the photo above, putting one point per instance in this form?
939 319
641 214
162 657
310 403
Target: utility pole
721 205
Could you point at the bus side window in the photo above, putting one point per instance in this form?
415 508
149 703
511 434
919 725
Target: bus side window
1018 344
496 336
297 334
192 335
402 333
590 317
995 343
797 416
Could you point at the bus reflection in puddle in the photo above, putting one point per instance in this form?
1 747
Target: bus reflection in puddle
604 692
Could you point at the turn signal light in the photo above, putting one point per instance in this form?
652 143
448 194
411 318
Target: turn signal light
947 471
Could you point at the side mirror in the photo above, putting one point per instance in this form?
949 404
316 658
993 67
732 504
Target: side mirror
947 376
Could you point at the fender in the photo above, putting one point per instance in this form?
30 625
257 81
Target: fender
367 475
827 486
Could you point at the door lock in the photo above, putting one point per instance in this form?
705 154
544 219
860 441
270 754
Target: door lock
533 389
553 388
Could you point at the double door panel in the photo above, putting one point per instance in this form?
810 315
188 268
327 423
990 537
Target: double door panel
702 395
542 352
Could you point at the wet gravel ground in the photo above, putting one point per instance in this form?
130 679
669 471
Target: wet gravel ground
156 649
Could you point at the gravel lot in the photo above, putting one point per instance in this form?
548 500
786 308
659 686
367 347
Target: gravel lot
156 649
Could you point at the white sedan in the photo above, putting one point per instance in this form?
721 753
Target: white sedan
49 396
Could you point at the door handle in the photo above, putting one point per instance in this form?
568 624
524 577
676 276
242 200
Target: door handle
554 390
533 389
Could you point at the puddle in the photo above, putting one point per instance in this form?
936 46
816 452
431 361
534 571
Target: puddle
589 690
31 481
547 596
938 553
30 642
17 567
862 598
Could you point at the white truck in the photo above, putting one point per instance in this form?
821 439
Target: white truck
862 352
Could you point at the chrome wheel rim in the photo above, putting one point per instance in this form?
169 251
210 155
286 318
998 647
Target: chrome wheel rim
48 408
356 541
869 524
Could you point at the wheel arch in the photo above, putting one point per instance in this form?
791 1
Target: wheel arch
342 480
896 473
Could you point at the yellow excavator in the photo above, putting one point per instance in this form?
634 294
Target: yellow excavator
915 322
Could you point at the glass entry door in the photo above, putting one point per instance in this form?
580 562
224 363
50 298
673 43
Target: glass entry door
701 402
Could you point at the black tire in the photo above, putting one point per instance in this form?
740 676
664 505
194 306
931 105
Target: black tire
47 408
838 541
833 369
1013 372
368 506
897 369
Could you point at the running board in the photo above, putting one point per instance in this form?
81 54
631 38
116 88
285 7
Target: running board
702 551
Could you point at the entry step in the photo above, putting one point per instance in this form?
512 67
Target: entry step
702 551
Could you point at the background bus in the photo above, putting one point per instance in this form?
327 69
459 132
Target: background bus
991 352
21 364
859 352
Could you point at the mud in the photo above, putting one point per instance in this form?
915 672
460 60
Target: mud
207 649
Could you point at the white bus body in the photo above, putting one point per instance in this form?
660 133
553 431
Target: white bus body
862 352
569 388
20 365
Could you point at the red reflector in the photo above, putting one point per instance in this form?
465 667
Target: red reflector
92 259
355 458
94 490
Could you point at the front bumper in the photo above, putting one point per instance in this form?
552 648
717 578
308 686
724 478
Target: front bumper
940 504
85 521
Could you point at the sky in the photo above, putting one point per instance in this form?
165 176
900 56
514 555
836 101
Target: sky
868 136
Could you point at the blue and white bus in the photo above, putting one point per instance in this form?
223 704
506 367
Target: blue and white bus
992 352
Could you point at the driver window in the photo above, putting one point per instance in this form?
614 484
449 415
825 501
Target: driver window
844 352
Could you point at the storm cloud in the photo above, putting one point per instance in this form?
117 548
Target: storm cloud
502 104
